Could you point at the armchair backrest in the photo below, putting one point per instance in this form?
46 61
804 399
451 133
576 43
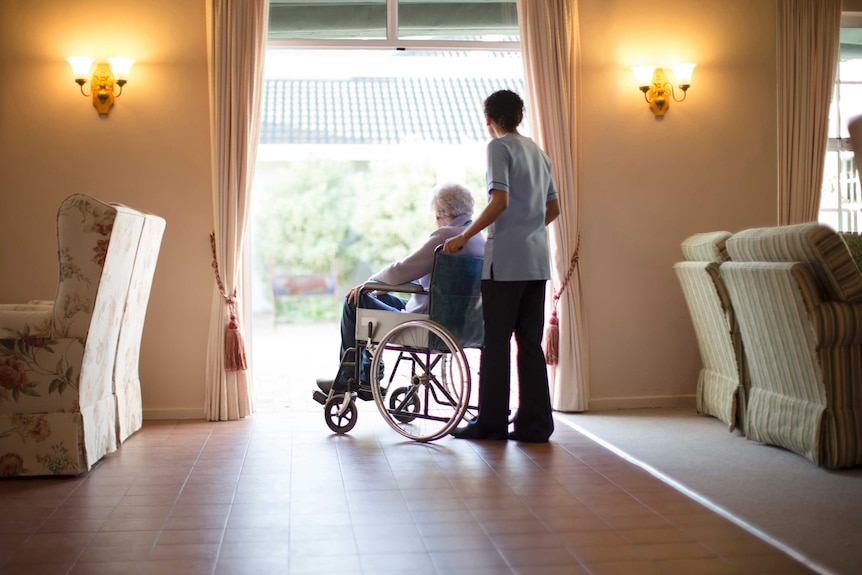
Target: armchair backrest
127 384
715 325
706 247
86 228
814 244
97 244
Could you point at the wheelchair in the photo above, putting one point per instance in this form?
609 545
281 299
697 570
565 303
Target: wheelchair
420 376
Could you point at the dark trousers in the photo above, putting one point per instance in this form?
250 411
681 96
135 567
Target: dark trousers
514 307
382 301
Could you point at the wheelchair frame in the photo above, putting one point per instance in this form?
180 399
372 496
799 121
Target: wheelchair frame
427 389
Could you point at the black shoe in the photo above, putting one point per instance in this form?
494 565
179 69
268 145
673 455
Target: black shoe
326 386
473 431
515 437
365 392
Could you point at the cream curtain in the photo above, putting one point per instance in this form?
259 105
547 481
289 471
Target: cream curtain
807 37
236 35
549 42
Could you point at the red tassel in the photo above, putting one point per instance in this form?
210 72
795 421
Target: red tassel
552 340
234 345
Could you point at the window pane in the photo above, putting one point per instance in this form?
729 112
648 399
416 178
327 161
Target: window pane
327 19
840 203
850 106
486 20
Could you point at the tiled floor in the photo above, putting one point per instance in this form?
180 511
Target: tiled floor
278 493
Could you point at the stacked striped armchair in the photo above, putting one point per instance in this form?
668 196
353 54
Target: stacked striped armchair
723 378
797 295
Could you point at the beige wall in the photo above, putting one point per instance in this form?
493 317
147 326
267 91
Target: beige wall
646 183
151 152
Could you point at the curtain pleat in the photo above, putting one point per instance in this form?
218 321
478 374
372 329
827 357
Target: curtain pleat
808 46
550 46
237 42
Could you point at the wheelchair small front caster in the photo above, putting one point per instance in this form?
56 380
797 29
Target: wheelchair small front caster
340 413
403 409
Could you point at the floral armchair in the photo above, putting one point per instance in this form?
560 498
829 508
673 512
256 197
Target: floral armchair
127 383
58 411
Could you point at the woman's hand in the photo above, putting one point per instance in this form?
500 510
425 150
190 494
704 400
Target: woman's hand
353 295
454 244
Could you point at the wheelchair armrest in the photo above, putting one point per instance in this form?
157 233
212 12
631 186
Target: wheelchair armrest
399 288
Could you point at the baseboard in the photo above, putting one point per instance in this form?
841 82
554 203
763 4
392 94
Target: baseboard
611 403
174 413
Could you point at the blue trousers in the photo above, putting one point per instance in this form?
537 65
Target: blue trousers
514 307
382 301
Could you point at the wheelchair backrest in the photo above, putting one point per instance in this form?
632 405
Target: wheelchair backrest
455 297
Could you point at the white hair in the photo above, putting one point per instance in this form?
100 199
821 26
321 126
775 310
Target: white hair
451 199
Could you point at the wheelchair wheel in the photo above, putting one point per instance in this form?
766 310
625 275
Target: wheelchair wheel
340 417
424 392
403 403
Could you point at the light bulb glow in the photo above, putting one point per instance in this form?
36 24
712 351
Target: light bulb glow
683 73
643 74
80 66
121 67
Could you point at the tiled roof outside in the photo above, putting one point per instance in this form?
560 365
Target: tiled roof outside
381 111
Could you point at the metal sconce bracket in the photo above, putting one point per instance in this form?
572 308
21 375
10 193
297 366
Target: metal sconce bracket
657 89
103 81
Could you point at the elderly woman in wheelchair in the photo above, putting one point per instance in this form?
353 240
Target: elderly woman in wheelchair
381 331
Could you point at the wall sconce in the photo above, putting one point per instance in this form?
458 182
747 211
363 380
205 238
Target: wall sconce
103 80
658 90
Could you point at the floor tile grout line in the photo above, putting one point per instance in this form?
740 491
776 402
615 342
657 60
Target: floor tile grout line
703 501
248 442
539 468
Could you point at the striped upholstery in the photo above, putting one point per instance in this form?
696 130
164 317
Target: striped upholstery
853 241
800 317
718 339
812 243
707 247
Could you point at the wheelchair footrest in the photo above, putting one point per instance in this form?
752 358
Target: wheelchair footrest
319 397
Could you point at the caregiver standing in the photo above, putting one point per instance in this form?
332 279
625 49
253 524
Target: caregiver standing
522 202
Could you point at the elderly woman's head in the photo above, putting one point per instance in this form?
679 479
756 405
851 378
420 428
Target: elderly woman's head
451 200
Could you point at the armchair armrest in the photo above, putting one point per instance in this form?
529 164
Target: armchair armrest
837 324
23 319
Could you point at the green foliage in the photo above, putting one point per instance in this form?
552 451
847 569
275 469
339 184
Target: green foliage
305 209
309 308
346 218
392 214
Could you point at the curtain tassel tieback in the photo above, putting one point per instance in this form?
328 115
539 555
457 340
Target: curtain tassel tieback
234 342
552 340
552 331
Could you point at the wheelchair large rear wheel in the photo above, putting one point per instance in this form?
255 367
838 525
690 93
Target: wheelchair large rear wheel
423 392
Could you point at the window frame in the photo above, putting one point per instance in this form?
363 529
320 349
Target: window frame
392 41
840 150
